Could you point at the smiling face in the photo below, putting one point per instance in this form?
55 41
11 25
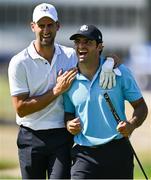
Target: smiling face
45 30
87 50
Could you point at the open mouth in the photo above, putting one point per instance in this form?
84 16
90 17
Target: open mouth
82 53
46 36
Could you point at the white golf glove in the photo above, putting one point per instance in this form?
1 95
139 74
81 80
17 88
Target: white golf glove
108 74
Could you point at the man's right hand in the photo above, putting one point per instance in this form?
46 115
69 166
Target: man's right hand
74 126
64 81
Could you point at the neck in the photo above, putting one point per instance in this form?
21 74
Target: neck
88 70
46 52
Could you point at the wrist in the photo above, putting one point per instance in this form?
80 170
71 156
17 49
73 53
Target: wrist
55 91
67 125
133 123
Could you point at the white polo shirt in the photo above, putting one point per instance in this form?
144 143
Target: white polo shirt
30 73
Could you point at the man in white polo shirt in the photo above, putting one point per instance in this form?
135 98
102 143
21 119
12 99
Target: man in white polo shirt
38 76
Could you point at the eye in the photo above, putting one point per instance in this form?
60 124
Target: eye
41 26
76 42
50 25
89 42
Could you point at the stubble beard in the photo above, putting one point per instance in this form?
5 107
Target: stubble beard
47 43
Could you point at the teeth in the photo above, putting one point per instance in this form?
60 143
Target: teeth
46 36
82 51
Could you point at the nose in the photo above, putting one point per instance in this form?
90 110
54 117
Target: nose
46 29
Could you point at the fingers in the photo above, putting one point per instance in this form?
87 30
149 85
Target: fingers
102 78
70 71
123 128
60 72
107 80
110 82
74 126
64 81
114 80
68 76
105 83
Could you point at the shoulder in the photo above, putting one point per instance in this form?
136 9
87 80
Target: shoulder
67 57
19 61
68 51
124 70
20 57
127 78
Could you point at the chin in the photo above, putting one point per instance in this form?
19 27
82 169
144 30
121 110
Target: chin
81 60
46 44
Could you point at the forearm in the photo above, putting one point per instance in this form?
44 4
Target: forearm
139 114
138 117
68 117
29 105
26 105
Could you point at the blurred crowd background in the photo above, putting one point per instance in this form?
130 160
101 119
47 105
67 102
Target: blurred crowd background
126 28
125 25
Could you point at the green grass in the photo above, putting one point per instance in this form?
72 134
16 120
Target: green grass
6 110
9 177
7 164
138 174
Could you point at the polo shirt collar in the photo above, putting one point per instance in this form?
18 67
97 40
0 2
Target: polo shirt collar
80 76
33 53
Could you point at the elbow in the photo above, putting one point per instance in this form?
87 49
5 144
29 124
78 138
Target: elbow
20 110
145 111
21 115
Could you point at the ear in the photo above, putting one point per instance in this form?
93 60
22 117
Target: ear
100 46
32 25
58 25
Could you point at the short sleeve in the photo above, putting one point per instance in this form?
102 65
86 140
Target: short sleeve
17 78
130 87
68 106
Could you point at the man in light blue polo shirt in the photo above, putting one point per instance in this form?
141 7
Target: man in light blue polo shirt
100 150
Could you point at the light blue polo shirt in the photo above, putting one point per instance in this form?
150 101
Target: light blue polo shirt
85 99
